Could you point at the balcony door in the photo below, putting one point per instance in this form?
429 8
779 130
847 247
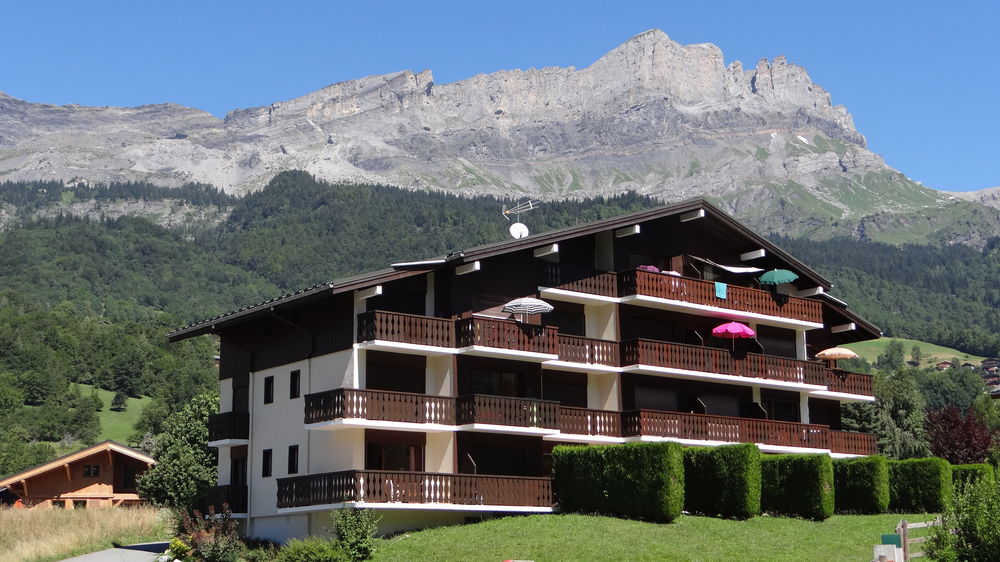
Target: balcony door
394 450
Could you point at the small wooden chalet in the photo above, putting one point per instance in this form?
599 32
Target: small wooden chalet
103 475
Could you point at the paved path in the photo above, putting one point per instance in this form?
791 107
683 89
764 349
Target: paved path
146 552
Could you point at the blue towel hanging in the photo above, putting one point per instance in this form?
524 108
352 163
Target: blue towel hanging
720 290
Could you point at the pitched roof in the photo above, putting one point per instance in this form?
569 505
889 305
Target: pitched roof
488 250
73 457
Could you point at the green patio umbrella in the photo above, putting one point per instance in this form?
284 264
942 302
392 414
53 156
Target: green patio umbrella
777 277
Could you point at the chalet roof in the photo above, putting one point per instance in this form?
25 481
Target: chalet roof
73 457
724 223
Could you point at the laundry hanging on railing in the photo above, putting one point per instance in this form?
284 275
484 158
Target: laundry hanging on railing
720 290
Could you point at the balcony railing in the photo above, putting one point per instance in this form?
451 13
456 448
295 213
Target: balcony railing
230 494
712 360
504 410
744 299
592 351
723 428
584 421
578 279
379 405
507 334
229 425
839 380
406 328
852 443
383 486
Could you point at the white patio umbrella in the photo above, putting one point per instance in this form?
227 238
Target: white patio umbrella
527 305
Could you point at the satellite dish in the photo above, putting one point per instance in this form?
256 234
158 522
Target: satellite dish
518 230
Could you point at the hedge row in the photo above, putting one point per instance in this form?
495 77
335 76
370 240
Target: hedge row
797 485
634 480
962 474
861 485
920 485
723 481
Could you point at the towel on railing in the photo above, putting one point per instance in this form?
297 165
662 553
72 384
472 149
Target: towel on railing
720 290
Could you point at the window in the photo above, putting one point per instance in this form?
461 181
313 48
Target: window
265 468
91 471
293 384
268 390
293 459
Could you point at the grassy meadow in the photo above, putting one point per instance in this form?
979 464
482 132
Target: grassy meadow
42 535
871 349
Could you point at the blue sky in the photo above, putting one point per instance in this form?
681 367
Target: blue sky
920 78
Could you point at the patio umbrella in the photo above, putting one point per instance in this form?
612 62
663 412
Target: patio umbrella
835 353
777 277
733 331
527 305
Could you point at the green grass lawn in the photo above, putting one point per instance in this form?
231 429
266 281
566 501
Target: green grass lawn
579 537
871 349
114 425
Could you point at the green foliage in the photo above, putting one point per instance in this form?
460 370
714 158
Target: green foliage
797 485
634 480
970 527
17 453
723 481
963 474
213 537
892 359
355 529
311 549
920 485
119 402
185 464
950 387
899 416
861 485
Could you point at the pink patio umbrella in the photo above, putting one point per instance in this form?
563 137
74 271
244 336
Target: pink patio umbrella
733 330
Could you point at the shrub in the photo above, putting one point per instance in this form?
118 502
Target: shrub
970 527
723 481
212 539
355 529
797 485
861 485
312 549
920 485
962 474
635 480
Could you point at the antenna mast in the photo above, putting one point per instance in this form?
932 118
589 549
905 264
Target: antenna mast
518 229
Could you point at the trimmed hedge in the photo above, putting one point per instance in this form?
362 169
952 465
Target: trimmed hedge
797 485
920 485
634 480
722 481
861 485
962 474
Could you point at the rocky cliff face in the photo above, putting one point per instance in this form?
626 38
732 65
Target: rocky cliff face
652 116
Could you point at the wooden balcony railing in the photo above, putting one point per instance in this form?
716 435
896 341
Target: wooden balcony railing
584 421
589 350
578 279
839 380
504 410
697 291
232 495
384 486
723 428
406 328
229 425
713 360
380 405
852 443
507 334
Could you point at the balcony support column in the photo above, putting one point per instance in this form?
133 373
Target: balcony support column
804 407
601 321
800 345
225 466
440 376
429 296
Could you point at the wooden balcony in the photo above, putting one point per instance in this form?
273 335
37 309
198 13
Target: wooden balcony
578 279
507 334
378 486
406 328
713 360
381 405
577 349
228 425
853 443
584 421
696 291
504 410
233 496
839 380
723 428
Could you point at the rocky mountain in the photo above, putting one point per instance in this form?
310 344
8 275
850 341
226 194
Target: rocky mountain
989 197
652 116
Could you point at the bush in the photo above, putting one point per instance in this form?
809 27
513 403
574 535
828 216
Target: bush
312 549
970 527
722 481
211 538
635 480
797 485
962 474
920 485
355 529
861 485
